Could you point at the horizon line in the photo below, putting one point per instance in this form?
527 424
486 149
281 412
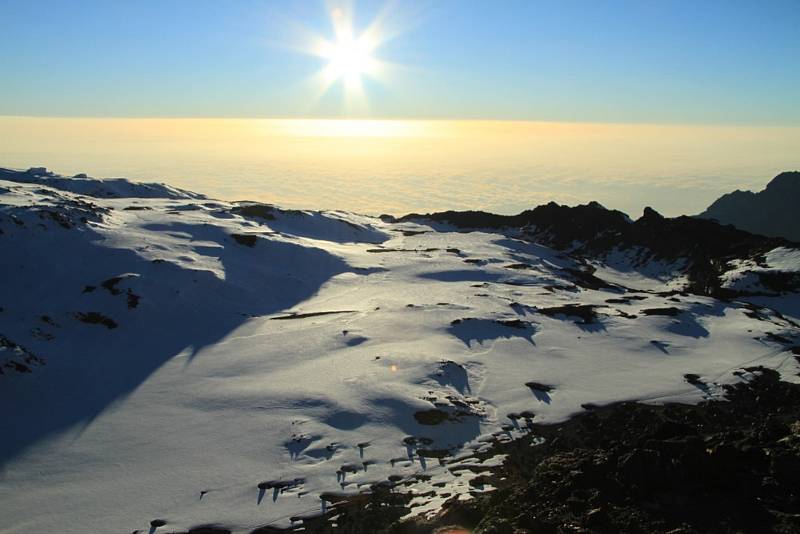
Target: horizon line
408 119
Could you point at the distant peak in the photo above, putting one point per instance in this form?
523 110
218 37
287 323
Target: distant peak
769 212
651 214
784 181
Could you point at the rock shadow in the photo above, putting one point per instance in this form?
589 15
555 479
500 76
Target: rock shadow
452 374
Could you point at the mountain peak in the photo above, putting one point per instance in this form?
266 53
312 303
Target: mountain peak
771 212
785 181
651 214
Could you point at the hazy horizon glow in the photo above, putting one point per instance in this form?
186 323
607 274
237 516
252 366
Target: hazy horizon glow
414 166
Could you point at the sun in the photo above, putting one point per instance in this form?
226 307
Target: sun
349 55
354 57
349 59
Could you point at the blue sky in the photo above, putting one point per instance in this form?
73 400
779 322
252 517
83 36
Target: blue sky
712 62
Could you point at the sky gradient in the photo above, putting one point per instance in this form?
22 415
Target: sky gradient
710 62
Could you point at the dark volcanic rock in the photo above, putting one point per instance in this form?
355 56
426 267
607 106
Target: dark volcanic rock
248 240
771 212
431 417
703 246
96 318
718 467
259 211
16 358
209 529
110 285
583 311
563 223
671 311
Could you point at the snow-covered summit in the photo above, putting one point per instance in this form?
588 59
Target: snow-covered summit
168 356
95 187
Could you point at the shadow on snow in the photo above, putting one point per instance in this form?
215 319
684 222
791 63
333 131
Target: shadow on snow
180 310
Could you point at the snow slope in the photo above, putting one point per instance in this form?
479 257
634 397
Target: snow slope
169 356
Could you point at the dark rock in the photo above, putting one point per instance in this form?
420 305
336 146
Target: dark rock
209 529
770 212
295 315
583 311
585 278
110 285
96 318
431 417
650 214
671 311
60 218
593 231
258 211
514 323
248 240
132 299
640 467
668 429
718 467
280 484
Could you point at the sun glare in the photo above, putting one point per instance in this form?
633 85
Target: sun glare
349 55
349 59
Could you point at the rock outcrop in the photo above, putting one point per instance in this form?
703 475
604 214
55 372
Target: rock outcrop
772 212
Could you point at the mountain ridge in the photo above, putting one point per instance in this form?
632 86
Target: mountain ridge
592 231
773 211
